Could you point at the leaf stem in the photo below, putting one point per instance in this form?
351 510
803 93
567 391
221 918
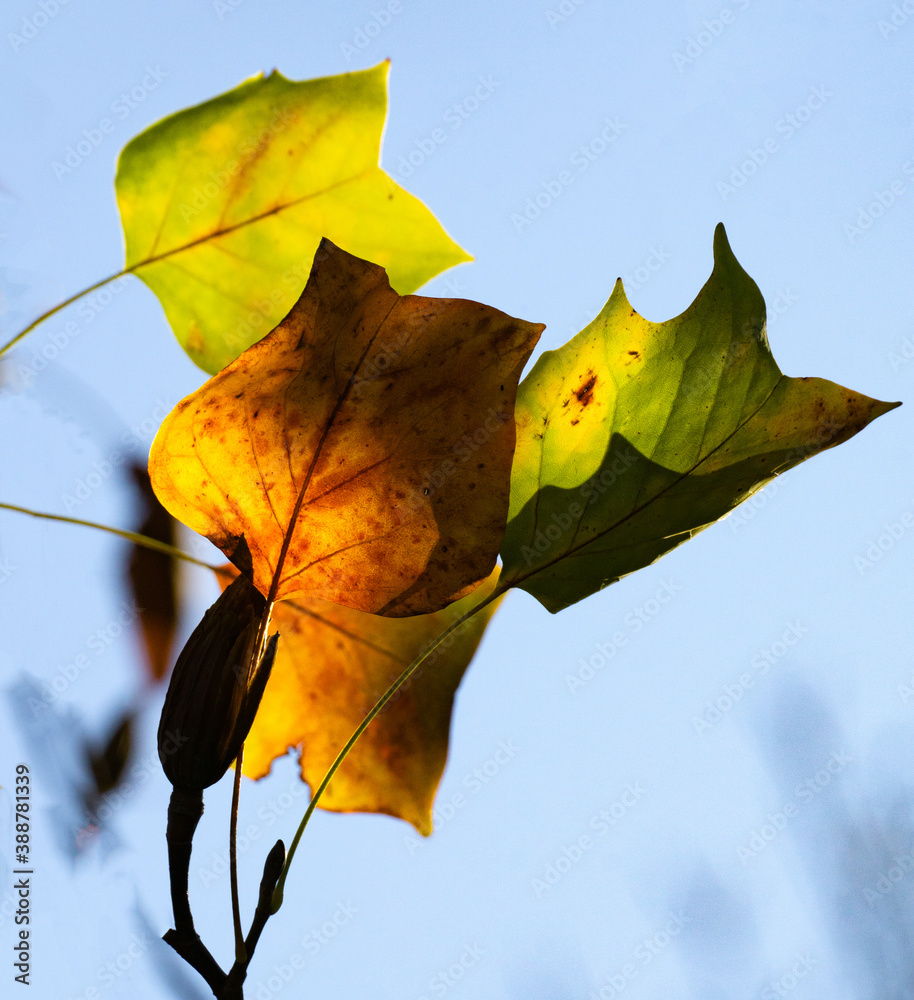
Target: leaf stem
363 725
240 950
56 309
131 536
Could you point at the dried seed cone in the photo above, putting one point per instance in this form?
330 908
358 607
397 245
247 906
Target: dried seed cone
213 697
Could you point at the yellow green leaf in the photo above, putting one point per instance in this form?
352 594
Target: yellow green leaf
224 204
361 453
636 435
332 664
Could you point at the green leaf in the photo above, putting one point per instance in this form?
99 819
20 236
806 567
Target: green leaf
224 204
636 435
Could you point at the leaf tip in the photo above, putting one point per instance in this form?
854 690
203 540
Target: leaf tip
619 296
722 249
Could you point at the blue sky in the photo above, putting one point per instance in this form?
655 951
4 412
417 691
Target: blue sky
756 853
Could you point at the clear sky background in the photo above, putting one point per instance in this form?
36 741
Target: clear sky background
807 587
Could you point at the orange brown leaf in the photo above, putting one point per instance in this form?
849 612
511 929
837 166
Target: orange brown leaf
332 664
152 579
361 452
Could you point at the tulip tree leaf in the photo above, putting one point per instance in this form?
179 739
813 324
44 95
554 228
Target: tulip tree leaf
361 453
636 435
224 204
332 664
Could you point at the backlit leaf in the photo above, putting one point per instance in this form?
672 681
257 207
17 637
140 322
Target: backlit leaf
332 664
152 579
361 452
636 435
224 204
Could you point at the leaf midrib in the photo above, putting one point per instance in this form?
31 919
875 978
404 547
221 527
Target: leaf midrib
216 234
328 426
573 549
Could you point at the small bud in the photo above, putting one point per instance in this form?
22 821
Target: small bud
213 697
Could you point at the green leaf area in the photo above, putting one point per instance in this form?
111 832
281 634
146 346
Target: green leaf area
224 204
636 435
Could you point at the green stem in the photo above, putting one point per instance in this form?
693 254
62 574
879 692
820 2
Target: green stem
240 951
57 308
131 536
363 725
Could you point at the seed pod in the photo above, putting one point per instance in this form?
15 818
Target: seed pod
213 696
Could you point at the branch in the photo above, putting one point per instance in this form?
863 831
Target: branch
184 812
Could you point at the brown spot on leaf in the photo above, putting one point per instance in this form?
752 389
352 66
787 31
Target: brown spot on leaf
584 394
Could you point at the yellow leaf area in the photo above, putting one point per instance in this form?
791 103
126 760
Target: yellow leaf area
332 664
361 452
224 204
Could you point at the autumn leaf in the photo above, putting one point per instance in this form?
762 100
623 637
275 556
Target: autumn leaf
224 204
361 452
636 435
332 664
152 579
